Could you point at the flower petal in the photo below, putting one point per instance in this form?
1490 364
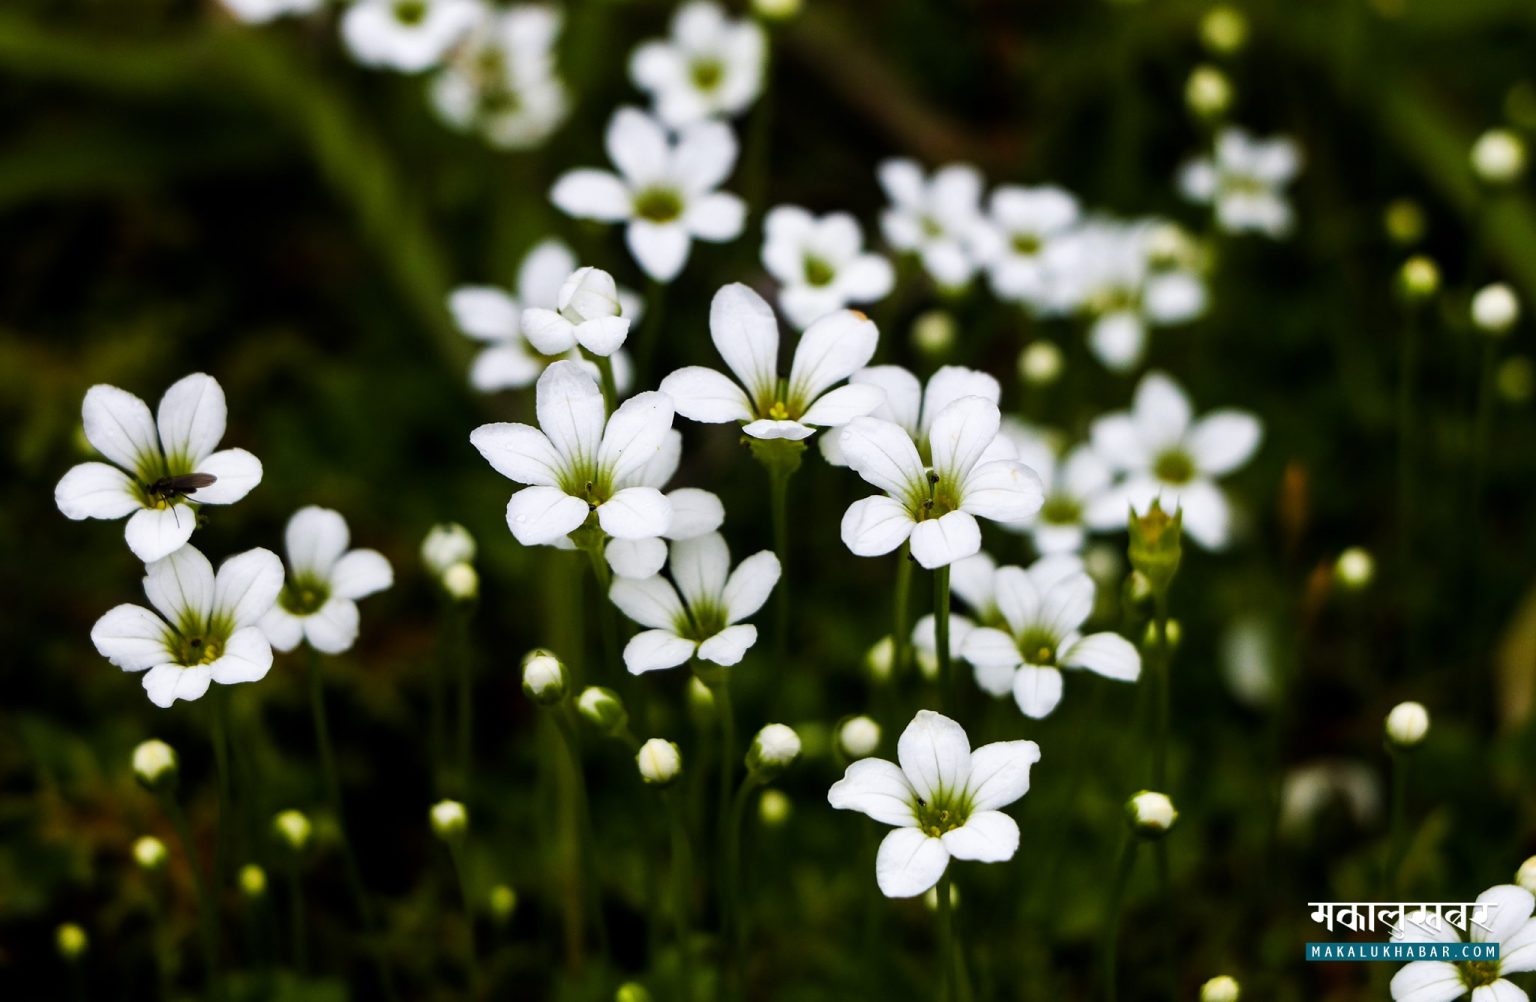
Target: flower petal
182 586
636 558
153 533
1067 604
1517 952
655 649
883 453
133 638
570 407
987 647
794 431
315 539
284 630
635 433
951 383
603 335
960 435
118 424
701 394
1107 654
191 420
1511 908
935 754
485 312
1000 773
661 249
875 526
749 585
360 573
548 331
730 645
1224 440
1118 439
1427 981
877 788
843 405
635 513
1002 490
831 349
716 217
1500 991
1162 409
700 567
705 156
986 837
694 512
165 684
541 515
592 194
247 658
235 471
1037 690
909 863
333 627
247 586
1018 598
96 490
903 394
651 602
746 334
519 452
939 542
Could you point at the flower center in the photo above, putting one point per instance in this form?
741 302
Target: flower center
818 272
779 411
1174 466
707 73
659 205
1061 509
410 11
304 596
1026 244
932 228
941 500
1477 973
701 621
199 650
1038 647
943 814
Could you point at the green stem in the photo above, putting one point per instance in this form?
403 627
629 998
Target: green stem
219 736
1398 845
1112 920
1482 423
1407 376
607 625
901 638
207 904
947 965
732 919
466 669
779 487
296 914
650 332
471 954
1164 684
682 893
947 696
605 372
587 854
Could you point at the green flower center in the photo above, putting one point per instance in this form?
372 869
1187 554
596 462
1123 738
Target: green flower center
818 272
198 649
1061 509
1478 973
304 596
944 813
659 205
1038 647
410 11
1174 467
1026 244
701 621
707 73
941 499
931 227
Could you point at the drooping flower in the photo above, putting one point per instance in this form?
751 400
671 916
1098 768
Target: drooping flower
1245 181
710 67
206 630
935 504
408 36
664 191
944 799
1074 483
700 617
820 263
936 218
575 460
500 81
319 602
1165 454
170 462
1509 924
1013 240
747 336
913 406
1043 610
262 11
588 313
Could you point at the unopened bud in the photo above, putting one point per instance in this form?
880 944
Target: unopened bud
858 737
503 902
150 853
1419 278
1407 724
1153 637
253 881
462 582
772 751
1223 29
774 808
1221 988
71 941
589 294
881 658
1495 309
154 763
449 819
1498 157
1151 814
1156 545
293 829
602 709
544 679
1041 363
1208 92
933 333
447 544
1404 222
632 991
1355 569
659 761
1526 875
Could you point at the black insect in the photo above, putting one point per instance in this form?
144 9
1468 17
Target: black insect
171 488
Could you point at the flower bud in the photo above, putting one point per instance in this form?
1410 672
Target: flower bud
1419 278
71 941
449 820
772 751
1495 309
1407 724
933 333
462 582
1208 92
931 897
1526 875
701 701
1516 379
774 808
881 658
1404 222
503 901
447 544
293 829
776 10
1498 157
1223 29
589 294
253 881
150 853
154 763
1041 363
1151 814
858 737
1355 569
632 991
659 761
1152 637
544 679
602 709
1221 988
1155 546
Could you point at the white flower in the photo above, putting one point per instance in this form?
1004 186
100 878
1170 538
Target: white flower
490 315
747 336
575 460
1245 181
500 81
209 632
1509 924
925 637
820 263
664 191
446 545
1074 483
711 67
544 677
775 747
913 406
170 462
449 819
587 313
1165 453
406 35
944 800
936 218
705 620
154 762
262 11
1043 610
1013 240
934 504
319 602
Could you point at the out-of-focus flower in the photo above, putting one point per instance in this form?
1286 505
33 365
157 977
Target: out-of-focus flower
1012 241
171 463
408 36
1165 453
1041 363
71 941
694 513
706 620
944 800
1508 923
1498 156
503 902
252 880
1419 277
1222 988
858 737
1407 724
659 761
774 808
1355 568
1495 309
210 631
1308 790
573 461
155 765
1043 610
934 332
664 191
820 263
1248 660
1404 222
1208 92
937 218
445 545
293 829
746 334
262 11
1074 483
500 80
1224 29
149 852
1245 181
710 67
319 602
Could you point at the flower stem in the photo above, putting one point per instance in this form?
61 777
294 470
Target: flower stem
296 915
219 737
947 695
1398 844
946 940
461 649
650 332
901 636
608 627
471 954
779 483
207 905
605 372
1407 375
1112 920
587 859
732 919
1164 684
682 893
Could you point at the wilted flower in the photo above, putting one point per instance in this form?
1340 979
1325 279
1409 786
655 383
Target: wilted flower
1013 239
820 263
659 761
1509 924
1245 181
944 800
1407 725
171 463
710 67
319 602
665 190
210 631
406 35
935 218
500 80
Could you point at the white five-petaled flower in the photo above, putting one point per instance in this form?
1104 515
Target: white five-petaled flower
935 504
319 602
406 35
1509 924
500 80
710 67
820 263
1164 453
490 315
209 632
702 616
664 191
1043 610
1013 240
1245 180
575 461
937 218
746 334
1075 483
160 454
262 11
913 406
945 801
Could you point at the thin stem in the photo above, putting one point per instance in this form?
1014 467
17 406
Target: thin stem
779 485
471 954
607 625
1164 684
947 990
1407 376
466 669
947 695
901 637
296 915
206 903
682 893
650 331
1398 844
732 919
219 736
1112 919
587 859
605 373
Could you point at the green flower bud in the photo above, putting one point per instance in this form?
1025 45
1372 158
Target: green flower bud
774 808
1404 222
293 830
150 853
1419 278
503 901
772 751
881 659
544 678
71 941
1041 363
1208 92
449 820
253 881
1156 545
631 991
1516 380
933 333
1224 30
602 709
776 10
1151 638
154 763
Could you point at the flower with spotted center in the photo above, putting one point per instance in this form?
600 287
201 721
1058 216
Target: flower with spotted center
1506 921
407 36
319 602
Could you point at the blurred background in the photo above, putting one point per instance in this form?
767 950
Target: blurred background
180 192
